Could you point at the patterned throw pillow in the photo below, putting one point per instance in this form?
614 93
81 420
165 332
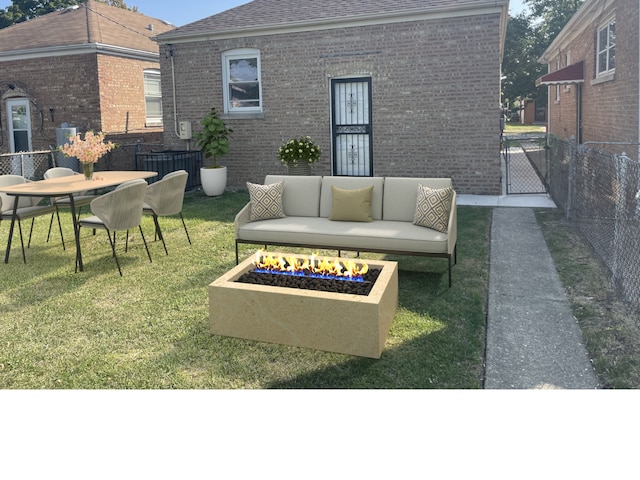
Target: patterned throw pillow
433 207
266 201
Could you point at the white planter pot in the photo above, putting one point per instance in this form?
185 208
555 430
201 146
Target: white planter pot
214 180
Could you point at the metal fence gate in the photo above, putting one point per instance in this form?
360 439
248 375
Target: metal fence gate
351 127
526 164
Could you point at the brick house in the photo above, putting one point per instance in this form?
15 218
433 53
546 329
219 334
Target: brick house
92 66
405 88
593 77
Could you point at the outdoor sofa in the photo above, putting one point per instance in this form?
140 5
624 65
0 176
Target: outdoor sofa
398 215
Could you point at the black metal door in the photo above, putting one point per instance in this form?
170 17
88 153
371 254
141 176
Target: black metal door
351 119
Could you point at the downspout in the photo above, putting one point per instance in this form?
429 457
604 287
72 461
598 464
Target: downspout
638 92
173 88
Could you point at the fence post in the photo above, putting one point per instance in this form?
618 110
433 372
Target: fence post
573 154
621 162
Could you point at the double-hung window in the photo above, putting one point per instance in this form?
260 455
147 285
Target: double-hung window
606 55
241 78
152 98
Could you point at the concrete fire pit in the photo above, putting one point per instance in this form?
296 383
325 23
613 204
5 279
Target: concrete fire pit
334 322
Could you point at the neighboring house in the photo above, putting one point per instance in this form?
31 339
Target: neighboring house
593 76
402 88
92 66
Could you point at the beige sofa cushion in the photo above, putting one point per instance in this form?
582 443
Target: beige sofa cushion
366 236
301 196
401 195
352 183
351 205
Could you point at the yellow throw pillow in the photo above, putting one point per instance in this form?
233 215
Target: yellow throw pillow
266 201
351 205
433 207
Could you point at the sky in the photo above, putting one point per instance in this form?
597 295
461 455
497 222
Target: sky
182 12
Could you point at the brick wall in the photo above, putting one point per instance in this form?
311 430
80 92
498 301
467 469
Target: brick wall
60 89
435 89
65 89
122 93
609 109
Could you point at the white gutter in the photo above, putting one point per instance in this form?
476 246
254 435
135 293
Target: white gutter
80 49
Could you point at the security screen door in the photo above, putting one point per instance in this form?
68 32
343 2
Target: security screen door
351 127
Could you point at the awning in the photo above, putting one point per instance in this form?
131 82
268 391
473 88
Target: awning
571 74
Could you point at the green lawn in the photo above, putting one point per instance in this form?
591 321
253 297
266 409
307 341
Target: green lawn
149 329
518 128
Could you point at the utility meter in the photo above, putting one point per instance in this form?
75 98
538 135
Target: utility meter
184 130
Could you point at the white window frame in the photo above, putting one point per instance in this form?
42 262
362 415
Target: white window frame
152 75
237 54
607 49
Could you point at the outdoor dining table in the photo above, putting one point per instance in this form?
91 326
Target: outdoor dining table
68 186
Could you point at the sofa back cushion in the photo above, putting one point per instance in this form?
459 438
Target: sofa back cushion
352 183
400 195
301 196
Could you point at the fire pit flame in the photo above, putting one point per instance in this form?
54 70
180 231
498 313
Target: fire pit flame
312 267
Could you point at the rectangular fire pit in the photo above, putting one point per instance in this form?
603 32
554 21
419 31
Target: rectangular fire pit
334 322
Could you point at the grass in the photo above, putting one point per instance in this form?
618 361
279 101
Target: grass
610 328
518 128
149 329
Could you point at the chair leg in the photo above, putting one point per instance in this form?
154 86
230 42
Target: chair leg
159 233
50 225
77 247
57 214
145 243
114 238
113 249
30 232
185 228
59 228
24 257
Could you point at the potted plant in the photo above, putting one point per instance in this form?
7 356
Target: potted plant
213 141
298 155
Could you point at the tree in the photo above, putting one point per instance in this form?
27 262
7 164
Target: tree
22 10
520 66
528 36
550 16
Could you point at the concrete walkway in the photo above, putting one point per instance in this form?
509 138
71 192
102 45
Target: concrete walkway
533 341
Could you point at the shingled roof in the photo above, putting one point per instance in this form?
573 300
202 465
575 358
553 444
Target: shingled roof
88 23
264 15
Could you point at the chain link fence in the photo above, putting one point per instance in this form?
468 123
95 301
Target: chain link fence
31 165
600 193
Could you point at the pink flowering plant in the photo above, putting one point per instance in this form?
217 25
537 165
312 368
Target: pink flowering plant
89 149
299 150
